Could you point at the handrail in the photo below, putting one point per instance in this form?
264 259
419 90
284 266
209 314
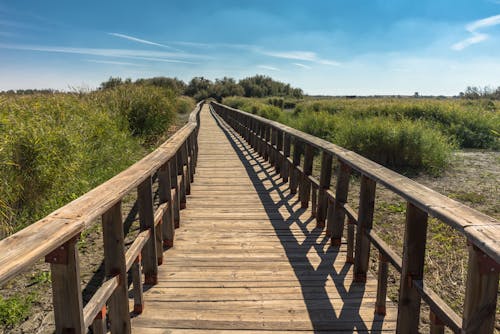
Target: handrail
54 237
273 141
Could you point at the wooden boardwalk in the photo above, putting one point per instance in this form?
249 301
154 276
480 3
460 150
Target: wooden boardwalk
248 258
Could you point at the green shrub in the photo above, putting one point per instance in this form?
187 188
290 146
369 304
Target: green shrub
184 105
148 110
402 145
472 124
53 148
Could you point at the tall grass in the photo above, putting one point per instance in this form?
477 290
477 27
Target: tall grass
471 124
55 147
408 136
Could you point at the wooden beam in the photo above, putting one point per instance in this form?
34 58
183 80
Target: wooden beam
324 184
481 292
413 269
66 288
146 217
305 185
114 264
335 227
365 222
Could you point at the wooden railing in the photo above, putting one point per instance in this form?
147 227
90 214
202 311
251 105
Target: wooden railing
275 142
55 236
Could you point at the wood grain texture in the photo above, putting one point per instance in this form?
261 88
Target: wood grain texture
247 257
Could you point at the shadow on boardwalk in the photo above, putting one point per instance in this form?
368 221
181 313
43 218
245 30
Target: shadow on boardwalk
345 315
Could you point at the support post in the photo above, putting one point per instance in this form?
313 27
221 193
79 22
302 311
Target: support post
286 153
114 264
481 292
412 269
305 185
165 196
365 222
324 185
383 270
335 227
66 289
146 217
294 174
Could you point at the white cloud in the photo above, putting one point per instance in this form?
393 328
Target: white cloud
117 53
267 67
483 23
111 62
143 41
302 65
477 37
300 55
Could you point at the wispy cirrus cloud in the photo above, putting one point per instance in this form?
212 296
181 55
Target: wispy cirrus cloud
112 62
303 66
477 37
140 40
161 56
300 55
267 67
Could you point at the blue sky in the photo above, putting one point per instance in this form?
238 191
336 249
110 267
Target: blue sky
325 47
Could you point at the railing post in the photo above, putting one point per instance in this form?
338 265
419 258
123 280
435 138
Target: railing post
180 172
336 216
273 153
412 269
365 222
286 153
436 325
381 284
294 173
279 149
175 188
99 325
114 264
137 282
146 217
267 144
165 196
305 185
351 226
185 160
481 292
66 289
324 184
191 154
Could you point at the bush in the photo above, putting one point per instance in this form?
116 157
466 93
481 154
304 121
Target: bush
148 110
402 145
184 105
472 124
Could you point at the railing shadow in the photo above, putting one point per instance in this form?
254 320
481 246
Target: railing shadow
343 314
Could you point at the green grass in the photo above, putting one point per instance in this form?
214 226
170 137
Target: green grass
15 309
55 147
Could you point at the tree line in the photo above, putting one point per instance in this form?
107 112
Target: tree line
201 88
